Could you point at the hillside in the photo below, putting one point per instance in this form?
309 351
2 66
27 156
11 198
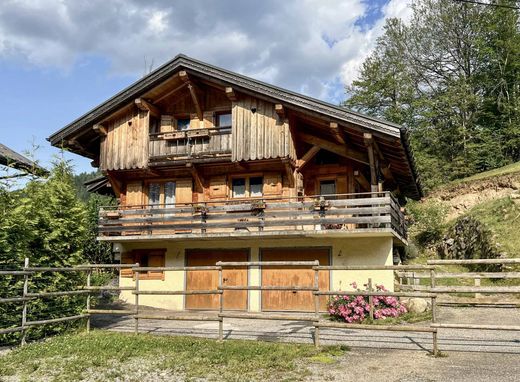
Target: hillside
480 213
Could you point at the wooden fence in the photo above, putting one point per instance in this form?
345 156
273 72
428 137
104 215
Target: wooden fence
432 291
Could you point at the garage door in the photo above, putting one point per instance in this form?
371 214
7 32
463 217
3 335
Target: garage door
293 276
208 280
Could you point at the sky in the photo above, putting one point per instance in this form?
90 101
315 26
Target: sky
60 58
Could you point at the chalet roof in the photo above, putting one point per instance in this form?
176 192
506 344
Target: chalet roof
100 185
17 161
251 86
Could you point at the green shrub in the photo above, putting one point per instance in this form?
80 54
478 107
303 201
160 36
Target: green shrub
426 221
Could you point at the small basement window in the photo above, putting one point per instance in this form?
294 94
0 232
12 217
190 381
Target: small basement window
145 258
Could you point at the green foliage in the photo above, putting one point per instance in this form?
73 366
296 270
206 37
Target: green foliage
44 222
469 238
95 252
452 77
427 221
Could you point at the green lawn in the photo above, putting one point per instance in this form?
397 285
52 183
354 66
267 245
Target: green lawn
102 355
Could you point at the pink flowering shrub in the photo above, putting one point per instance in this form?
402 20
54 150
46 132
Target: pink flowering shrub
353 309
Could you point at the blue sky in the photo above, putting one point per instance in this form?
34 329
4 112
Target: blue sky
58 59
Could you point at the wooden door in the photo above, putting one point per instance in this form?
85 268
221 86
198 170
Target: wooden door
293 276
208 280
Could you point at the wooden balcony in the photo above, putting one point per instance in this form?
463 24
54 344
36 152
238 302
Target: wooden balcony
333 215
189 144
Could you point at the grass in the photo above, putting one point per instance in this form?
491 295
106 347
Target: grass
102 355
502 217
505 170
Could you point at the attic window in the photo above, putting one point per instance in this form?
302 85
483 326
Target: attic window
183 124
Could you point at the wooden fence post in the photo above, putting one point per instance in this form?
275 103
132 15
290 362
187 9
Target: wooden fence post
136 317
89 274
477 284
221 306
434 311
24 304
371 299
317 304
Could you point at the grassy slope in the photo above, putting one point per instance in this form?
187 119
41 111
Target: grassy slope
101 356
506 170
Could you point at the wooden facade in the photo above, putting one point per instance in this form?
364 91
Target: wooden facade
197 154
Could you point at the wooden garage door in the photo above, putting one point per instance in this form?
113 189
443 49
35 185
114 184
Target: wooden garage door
208 280
293 276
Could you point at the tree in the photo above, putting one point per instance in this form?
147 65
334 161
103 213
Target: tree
450 76
44 222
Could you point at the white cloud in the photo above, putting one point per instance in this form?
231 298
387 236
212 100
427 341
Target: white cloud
310 46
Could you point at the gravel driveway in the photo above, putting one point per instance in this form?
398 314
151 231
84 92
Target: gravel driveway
468 355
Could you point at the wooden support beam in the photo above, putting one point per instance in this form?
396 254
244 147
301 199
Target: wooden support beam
100 129
193 91
305 159
290 174
367 137
338 132
341 150
280 110
173 91
360 178
198 180
147 106
230 93
116 185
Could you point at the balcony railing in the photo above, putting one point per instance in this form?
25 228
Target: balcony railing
345 213
207 142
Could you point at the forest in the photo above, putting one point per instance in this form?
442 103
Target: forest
451 77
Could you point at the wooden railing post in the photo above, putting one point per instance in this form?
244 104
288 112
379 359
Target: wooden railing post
89 274
371 299
136 317
221 306
434 311
477 284
317 304
24 303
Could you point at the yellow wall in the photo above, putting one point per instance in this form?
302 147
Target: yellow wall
349 251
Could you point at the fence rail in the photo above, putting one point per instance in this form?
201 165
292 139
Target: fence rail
431 291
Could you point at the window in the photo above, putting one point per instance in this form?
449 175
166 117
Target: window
238 188
328 187
162 194
247 187
183 124
224 120
169 193
145 258
256 185
154 194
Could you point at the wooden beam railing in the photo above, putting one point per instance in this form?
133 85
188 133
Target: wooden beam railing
313 318
283 216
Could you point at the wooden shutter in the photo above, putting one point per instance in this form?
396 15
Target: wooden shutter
156 258
134 194
127 258
218 187
272 184
184 191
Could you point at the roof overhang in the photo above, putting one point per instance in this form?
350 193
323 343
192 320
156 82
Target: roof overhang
245 85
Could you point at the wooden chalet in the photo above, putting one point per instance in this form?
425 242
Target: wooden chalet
209 165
